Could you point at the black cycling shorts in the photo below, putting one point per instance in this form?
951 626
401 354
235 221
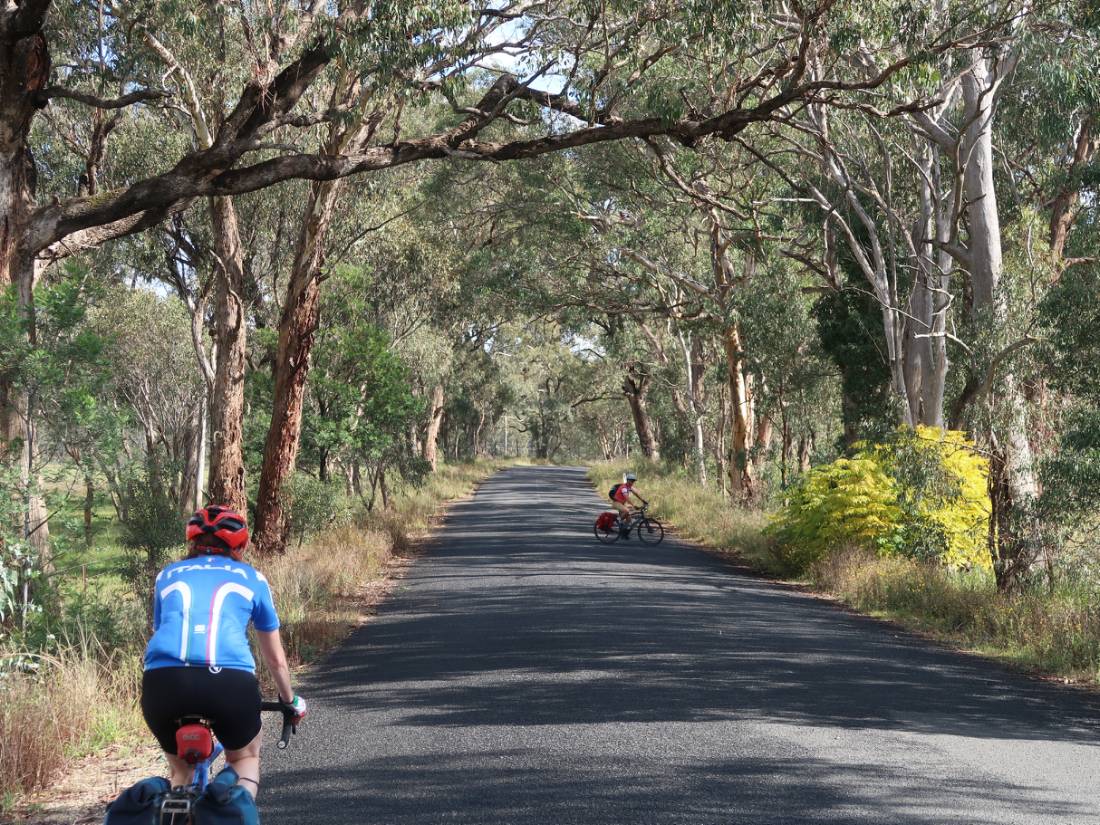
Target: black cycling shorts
229 699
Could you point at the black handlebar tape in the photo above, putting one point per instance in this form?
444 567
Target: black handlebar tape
288 721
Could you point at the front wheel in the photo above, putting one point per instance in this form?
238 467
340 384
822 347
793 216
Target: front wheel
650 531
605 534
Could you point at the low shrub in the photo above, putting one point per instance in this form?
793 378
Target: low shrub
315 507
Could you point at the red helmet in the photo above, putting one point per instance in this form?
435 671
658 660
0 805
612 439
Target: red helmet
221 528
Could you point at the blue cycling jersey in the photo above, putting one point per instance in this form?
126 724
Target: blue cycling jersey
201 610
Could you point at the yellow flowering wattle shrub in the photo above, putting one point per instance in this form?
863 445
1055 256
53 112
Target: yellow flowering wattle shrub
849 502
961 510
923 494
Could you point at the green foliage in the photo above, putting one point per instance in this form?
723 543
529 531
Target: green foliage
921 494
362 402
849 326
1069 354
152 534
315 506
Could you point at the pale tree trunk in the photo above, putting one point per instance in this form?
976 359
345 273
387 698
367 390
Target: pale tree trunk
1014 486
874 259
925 340
742 474
606 446
431 431
693 369
190 472
741 469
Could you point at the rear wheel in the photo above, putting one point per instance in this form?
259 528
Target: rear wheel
650 531
608 535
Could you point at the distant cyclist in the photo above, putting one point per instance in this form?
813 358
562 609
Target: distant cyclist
198 662
620 500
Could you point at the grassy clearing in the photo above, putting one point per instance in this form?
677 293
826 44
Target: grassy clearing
84 696
1055 633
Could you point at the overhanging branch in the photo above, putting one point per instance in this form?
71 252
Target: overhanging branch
138 96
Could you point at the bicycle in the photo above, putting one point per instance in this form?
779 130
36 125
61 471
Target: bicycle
650 531
199 747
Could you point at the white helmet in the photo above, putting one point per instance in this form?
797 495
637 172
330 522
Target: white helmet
631 477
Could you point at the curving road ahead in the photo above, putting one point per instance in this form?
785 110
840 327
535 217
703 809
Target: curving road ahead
525 674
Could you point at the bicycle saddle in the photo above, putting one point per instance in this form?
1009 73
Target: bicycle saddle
194 741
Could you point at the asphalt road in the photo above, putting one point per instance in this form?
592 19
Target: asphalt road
524 673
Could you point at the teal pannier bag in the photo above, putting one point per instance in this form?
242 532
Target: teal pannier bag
225 802
139 804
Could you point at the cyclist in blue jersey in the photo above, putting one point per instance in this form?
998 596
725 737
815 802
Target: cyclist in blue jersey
198 661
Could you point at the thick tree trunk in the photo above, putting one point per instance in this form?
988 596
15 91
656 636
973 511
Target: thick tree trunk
227 482
636 389
24 69
296 333
297 327
431 430
189 474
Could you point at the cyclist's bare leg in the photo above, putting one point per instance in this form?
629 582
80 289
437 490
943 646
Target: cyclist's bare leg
246 762
180 770
624 512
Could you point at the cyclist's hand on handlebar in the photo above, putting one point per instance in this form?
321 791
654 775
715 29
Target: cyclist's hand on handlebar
297 708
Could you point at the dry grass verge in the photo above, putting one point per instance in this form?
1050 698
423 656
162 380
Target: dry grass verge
1053 633
62 706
